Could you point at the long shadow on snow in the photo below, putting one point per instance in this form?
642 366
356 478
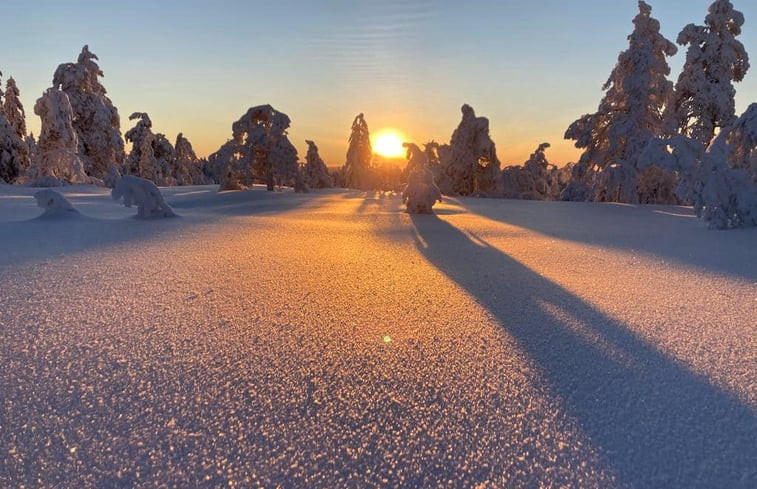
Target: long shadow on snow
42 239
670 232
656 422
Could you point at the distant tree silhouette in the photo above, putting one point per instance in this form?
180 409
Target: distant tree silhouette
357 167
315 172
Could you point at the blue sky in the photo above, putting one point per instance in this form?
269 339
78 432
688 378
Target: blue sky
531 67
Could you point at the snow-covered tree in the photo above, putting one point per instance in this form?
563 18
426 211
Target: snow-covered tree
141 161
259 149
14 109
14 113
187 169
469 165
537 179
13 151
56 161
284 161
421 192
96 120
357 166
629 115
704 100
315 172
145 194
721 181
165 161
11 148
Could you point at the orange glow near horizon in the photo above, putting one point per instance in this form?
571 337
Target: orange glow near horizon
387 142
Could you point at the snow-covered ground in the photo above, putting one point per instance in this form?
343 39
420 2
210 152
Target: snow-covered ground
331 340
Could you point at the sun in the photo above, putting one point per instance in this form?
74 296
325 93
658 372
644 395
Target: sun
388 143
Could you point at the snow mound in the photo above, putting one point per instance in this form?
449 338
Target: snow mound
421 192
54 204
145 194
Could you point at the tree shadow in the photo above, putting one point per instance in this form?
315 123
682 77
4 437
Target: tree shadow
657 423
670 232
104 222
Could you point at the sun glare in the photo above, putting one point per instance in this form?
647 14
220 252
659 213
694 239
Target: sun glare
388 143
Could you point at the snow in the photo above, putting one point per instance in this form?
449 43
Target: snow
530 344
144 193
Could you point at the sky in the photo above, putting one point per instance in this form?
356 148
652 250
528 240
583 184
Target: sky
531 67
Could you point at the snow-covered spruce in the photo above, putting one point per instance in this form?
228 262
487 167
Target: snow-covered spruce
12 148
141 161
315 172
96 120
629 115
421 193
258 150
469 164
56 161
720 181
16 117
704 93
145 194
54 204
357 166
187 167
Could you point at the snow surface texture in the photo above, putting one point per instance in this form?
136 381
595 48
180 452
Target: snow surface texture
421 193
143 193
330 340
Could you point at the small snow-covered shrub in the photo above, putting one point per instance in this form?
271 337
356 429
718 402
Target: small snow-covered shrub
421 192
145 194
720 181
54 204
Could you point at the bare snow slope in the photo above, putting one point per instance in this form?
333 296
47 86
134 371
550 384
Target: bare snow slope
330 340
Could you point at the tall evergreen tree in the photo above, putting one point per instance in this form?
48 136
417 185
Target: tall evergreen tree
12 147
316 174
357 167
629 115
96 120
704 100
16 117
